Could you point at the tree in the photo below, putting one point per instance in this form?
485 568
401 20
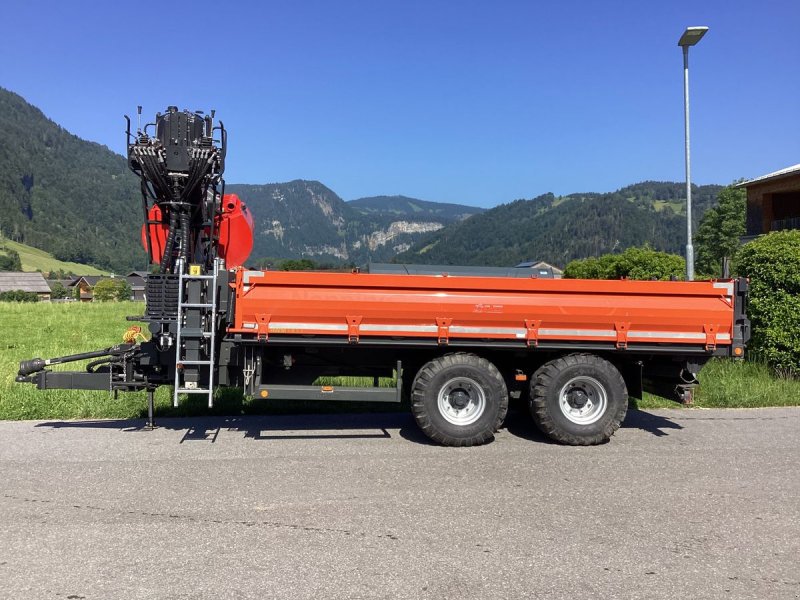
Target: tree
60 274
772 262
634 263
303 264
10 261
720 230
58 291
18 296
112 289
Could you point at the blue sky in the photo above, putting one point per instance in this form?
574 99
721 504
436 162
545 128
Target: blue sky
473 102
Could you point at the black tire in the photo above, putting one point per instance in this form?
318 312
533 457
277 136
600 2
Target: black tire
459 400
578 399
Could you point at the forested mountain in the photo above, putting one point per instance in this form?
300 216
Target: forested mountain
294 219
412 208
63 194
560 229
77 200
386 225
306 219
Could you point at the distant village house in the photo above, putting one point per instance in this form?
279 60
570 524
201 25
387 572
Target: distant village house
86 283
25 282
773 202
137 280
542 269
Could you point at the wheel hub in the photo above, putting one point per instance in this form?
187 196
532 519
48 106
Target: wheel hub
461 401
583 400
577 398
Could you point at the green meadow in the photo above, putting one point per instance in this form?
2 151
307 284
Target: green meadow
55 329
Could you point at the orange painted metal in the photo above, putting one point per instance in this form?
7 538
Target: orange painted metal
354 306
158 234
234 229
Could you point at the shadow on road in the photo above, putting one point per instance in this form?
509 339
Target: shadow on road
294 427
280 427
520 424
335 426
655 424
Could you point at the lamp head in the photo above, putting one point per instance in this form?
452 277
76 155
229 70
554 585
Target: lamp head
692 35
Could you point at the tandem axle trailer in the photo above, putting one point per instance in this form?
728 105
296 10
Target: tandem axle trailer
455 345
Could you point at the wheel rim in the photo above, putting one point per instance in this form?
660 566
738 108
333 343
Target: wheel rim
583 400
461 401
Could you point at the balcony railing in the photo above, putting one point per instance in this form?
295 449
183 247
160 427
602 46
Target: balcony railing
790 223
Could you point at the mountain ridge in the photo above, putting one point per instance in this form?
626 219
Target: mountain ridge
405 205
78 200
560 229
305 218
62 194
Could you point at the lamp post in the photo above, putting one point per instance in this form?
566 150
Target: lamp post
690 37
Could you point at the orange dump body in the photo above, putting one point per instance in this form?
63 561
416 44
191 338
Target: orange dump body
353 307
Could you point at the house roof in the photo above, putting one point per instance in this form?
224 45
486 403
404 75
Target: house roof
27 282
531 264
136 282
91 280
788 171
140 274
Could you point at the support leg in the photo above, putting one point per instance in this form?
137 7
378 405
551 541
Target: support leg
151 424
685 393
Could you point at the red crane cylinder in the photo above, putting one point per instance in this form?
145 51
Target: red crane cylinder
234 232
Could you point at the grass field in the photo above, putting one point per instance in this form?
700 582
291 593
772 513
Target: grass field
34 259
676 207
725 383
47 330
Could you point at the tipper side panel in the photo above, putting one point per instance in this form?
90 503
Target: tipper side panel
355 306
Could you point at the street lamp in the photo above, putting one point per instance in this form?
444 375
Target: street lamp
690 37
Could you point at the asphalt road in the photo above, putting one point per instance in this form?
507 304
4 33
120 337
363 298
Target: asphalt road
680 504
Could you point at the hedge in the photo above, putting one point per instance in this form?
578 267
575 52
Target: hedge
772 263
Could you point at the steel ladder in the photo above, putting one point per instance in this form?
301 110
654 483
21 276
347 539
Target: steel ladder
209 332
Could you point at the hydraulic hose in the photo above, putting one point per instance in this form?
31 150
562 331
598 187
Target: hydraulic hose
27 367
96 363
166 258
185 236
